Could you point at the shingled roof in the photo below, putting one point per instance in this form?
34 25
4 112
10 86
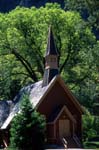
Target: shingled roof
36 95
5 108
35 91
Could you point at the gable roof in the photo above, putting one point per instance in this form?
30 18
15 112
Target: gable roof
58 113
65 87
37 94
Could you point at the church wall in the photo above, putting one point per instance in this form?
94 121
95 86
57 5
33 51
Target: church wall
4 137
51 134
55 98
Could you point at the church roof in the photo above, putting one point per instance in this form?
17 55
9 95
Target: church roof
35 90
5 108
37 94
51 47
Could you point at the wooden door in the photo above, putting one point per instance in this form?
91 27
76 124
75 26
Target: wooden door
64 128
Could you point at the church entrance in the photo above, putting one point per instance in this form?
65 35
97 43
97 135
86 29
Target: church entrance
64 128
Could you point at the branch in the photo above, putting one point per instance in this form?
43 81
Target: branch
37 53
66 60
26 64
59 48
78 81
39 61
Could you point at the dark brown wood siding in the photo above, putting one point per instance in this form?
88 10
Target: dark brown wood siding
57 97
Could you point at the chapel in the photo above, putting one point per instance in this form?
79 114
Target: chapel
52 98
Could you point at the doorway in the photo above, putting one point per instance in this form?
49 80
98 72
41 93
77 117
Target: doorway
64 128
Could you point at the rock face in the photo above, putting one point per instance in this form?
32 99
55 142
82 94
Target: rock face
5 108
8 5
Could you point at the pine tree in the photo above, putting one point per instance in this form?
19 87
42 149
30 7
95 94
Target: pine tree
28 128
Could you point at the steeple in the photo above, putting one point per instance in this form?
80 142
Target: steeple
51 48
51 60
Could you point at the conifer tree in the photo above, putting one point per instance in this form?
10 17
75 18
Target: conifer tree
28 128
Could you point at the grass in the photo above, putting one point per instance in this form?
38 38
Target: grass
91 144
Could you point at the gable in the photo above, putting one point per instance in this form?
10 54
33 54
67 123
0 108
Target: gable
70 95
58 94
65 110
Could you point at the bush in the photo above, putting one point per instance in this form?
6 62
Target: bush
88 126
28 128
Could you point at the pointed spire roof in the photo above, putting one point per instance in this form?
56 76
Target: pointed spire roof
51 48
51 60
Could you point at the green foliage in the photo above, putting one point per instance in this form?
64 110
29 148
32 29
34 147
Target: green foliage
89 10
78 5
91 145
27 128
89 126
23 41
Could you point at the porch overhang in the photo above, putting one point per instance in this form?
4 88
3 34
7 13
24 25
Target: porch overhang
53 119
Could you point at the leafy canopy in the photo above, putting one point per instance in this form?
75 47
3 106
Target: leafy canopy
23 40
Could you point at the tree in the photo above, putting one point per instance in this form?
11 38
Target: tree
89 11
89 126
23 35
27 128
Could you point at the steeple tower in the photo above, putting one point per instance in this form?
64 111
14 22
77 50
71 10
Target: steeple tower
51 60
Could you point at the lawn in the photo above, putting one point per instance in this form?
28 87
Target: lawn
92 144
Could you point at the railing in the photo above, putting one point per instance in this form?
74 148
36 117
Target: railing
64 143
76 139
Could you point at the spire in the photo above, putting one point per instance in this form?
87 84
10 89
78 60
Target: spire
51 48
51 60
